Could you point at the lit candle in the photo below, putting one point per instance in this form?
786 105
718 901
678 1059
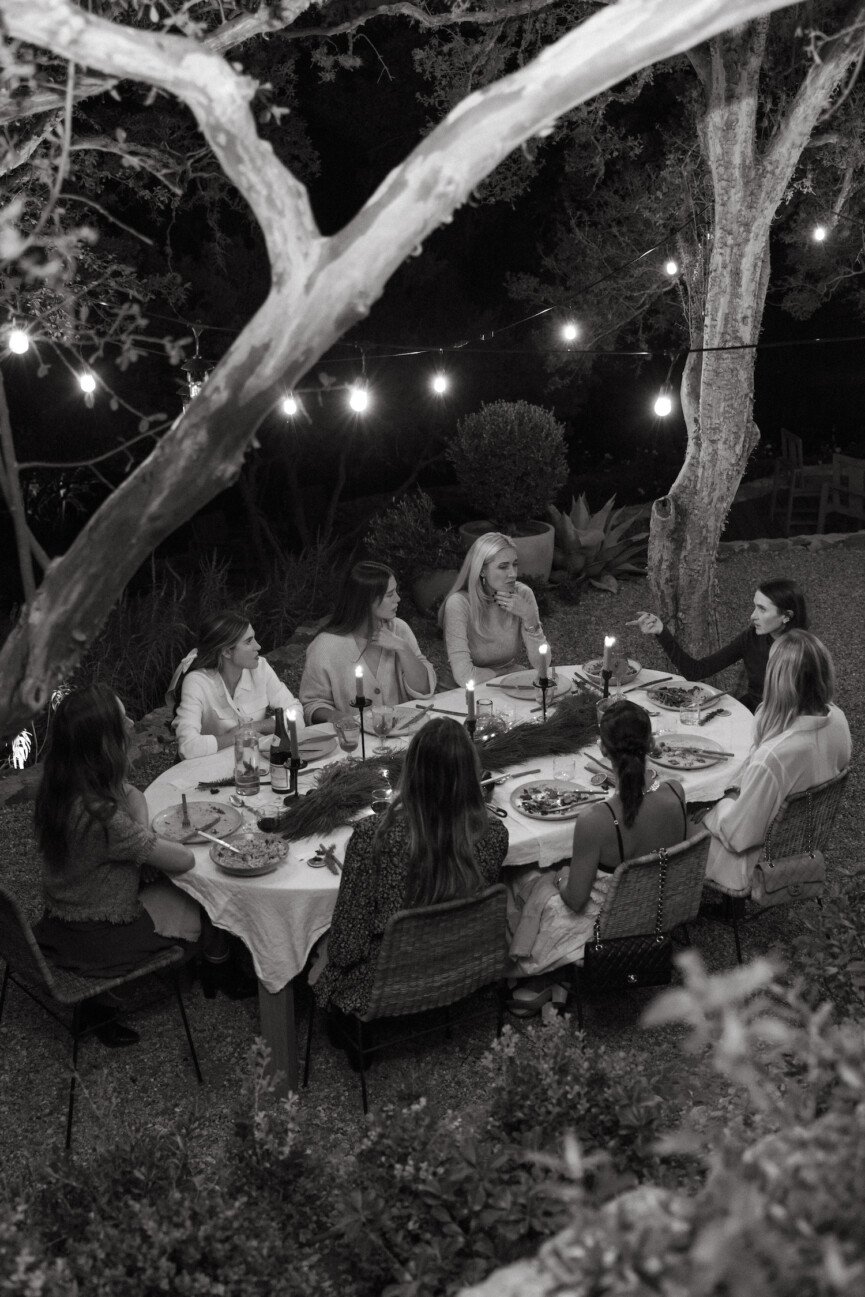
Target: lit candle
609 642
544 668
470 699
291 717
358 683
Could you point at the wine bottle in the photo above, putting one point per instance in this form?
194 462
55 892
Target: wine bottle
280 751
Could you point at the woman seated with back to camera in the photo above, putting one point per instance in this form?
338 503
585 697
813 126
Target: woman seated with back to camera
489 618
800 739
436 842
634 820
227 685
364 630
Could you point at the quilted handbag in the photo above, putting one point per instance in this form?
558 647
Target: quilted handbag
789 878
641 960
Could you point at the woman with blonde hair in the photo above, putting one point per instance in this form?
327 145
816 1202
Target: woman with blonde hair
436 842
800 739
489 617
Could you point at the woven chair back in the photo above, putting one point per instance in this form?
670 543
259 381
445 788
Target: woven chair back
630 907
436 955
19 947
790 832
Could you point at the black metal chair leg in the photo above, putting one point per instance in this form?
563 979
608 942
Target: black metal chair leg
76 1033
182 1008
3 990
362 1062
308 1051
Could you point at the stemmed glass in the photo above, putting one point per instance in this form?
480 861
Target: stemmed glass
347 734
383 721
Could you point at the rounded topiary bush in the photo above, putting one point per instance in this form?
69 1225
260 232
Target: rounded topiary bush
510 460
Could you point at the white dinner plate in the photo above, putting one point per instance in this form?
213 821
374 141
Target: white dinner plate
551 799
678 696
631 670
216 817
676 751
518 684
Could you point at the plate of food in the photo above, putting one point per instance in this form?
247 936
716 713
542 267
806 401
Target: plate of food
551 799
674 697
624 670
682 752
522 684
216 818
258 855
602 775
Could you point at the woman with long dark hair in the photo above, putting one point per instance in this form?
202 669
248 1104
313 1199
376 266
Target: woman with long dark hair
779 607
224 684
436 842
800 739
93 831
489 618
364 631
634 820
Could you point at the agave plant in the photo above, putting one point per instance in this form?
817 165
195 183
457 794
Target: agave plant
598 547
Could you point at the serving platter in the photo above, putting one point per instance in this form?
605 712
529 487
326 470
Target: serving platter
520 684
551 799
682 752
624 670
674 697
216 817
259 856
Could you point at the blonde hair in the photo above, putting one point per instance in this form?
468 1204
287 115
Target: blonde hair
468 580
800 681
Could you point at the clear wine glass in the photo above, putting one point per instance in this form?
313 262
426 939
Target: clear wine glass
383 721
347 734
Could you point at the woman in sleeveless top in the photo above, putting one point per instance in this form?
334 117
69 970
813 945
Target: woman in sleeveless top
631 822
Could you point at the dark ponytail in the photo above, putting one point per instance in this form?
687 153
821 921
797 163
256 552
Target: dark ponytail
626 733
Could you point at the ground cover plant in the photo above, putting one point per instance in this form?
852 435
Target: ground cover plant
166 1178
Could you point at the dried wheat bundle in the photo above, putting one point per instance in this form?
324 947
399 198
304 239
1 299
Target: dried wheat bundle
342 789
571 726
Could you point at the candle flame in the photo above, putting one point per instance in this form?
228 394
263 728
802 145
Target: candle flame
609 641
470 684
544 650
291 715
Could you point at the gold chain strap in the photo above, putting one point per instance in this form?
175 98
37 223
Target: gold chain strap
662 887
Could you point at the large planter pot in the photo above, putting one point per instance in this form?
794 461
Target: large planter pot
534 547
428 590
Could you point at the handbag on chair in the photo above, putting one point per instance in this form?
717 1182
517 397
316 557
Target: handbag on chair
790 878
644 959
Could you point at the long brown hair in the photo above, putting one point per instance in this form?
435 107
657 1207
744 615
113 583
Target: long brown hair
218 632
626 733
440 800
365 584
83 770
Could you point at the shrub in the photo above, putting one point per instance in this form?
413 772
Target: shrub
599 548
405 537
510 459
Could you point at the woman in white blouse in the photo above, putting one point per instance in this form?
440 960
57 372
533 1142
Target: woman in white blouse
489 617
364 631
800 739
227 684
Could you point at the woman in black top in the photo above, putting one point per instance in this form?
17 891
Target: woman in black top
779 606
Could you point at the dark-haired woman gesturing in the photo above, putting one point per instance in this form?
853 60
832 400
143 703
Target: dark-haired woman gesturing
436 842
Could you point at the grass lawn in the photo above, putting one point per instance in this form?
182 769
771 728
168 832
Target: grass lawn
153 1082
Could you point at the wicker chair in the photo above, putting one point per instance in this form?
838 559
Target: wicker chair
631 909
803 822
53 988
430 958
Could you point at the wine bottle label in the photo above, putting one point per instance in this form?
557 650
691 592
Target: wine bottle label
279 776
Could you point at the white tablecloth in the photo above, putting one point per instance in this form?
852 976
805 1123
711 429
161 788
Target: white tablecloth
282 915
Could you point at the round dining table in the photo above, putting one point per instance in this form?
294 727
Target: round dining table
281 915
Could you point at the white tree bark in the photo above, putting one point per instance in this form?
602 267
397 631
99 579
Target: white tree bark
320 286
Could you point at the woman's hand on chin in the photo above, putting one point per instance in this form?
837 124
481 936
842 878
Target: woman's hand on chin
519 603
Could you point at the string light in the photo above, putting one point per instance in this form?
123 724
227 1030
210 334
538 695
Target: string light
87 383
289 407
19 342
663 405
570 332
440 384
672 268
358 399
819 233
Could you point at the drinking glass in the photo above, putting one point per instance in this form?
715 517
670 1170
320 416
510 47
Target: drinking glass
483 716
347 734
690 715
380 799
383 721
564 767
246 776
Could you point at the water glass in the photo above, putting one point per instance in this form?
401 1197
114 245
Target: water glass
347 733
564 767
383 721
381 799
690 715
246 776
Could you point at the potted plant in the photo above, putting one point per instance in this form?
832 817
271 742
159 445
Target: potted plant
599 548
509 457
426 558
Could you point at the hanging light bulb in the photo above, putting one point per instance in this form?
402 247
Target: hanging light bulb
87 383
819 233
672 268
440 384
663 405
18 342
289 406
358 399
570 332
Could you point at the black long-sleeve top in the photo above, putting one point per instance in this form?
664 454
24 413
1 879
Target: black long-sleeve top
749 647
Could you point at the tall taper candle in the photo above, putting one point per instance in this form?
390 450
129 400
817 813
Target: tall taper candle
544 668
470 699
291 720
609 644
358 682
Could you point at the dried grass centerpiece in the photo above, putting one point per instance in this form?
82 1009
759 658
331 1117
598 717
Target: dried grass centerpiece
345 788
